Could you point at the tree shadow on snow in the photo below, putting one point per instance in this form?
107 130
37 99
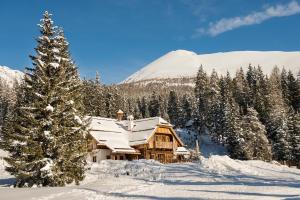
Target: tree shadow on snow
241 180
248 193
5 182
138 196
235 179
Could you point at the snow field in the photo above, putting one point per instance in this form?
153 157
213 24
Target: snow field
216 177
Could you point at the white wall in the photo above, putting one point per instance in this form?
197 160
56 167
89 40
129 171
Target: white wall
101 154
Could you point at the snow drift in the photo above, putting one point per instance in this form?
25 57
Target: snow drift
146 169
182 63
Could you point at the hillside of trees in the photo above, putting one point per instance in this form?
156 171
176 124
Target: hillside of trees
254 115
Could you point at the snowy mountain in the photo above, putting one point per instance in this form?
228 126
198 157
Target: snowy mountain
10 76
182 63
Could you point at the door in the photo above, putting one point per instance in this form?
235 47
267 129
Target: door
161 158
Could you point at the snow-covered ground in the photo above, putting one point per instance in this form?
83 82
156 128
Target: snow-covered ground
217 177
206 145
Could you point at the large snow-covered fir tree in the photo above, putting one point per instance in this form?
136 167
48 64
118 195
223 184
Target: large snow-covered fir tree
201 95
94 97
173 108
277 119
46 136
154 106
241 91
187 109
255 136
294 132
233 131
214 102
293 93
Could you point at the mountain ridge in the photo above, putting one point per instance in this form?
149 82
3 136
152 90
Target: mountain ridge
183 63
10 76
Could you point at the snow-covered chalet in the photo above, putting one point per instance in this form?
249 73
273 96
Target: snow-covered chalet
150 138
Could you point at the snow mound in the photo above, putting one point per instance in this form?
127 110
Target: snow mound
182 63
224 165
145 169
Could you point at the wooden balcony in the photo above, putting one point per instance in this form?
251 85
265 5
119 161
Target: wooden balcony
163 145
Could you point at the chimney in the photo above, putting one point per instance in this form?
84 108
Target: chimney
120 114
130 122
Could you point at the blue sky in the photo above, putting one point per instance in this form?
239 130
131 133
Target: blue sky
117 37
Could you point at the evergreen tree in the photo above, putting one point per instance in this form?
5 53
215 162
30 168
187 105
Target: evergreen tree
227 104
154 105
187 110
235 135
173 108
143 107
241 91
94 97
293 94
277 119
110 106
294 132
284 86
252 83
261 98
46 139
201 95
214 104
137 112
256 142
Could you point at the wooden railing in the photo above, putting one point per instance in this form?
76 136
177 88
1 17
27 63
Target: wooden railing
163 145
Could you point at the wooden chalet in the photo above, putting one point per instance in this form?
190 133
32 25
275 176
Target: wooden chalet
150 138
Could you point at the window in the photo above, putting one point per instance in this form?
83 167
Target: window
94 158
121 158
108 157
152 156
157 138
168 139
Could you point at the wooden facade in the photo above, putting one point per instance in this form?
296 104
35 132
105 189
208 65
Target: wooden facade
161 146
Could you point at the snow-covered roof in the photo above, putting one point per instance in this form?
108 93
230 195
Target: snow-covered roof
111 134
115 134
144 128
182 151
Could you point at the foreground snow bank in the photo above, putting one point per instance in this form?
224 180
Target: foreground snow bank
145 169
224 165
216 177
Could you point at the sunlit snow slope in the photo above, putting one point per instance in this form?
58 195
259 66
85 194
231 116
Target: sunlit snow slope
182 63
10 76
